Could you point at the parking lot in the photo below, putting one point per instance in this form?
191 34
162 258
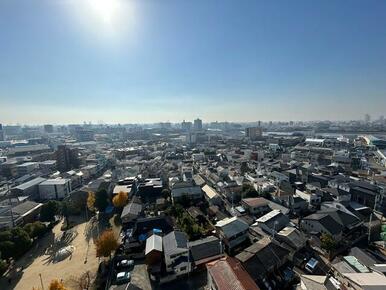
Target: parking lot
140 277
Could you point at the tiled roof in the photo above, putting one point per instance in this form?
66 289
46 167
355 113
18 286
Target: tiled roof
229 274
255 201
232 226
205 248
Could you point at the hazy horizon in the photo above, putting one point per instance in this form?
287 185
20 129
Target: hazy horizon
70 61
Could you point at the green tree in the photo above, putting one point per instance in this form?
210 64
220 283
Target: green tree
101 200
35 229
49 210
165 193
175 210
7 248
65 212
189 226
249 191
327 242
14 242
5 235
3 265
22 241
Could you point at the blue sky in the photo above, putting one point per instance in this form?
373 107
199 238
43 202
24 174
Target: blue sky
69 61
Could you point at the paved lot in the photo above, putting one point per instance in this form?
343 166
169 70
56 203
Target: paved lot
140 277
196 281
41 260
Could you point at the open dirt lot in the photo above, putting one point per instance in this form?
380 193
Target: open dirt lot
42 260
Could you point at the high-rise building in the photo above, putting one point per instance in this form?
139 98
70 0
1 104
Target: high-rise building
66 158
2 137
253 132
83 135
367 118
186 126
197 124
48 128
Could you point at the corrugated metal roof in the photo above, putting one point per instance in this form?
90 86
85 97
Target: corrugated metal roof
154 242
229 274
30 183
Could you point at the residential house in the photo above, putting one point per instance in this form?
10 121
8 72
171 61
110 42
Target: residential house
131 212
150 188
185 190
273 222
228 273
363 281
205 250
233 231
153 250
211 195
176 253
311 197
330 221
292 237
144 226
256 205
262 258
338 195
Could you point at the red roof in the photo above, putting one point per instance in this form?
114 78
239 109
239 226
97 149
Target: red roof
228 274
255 201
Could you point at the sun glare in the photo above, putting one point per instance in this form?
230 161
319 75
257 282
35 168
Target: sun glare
106 10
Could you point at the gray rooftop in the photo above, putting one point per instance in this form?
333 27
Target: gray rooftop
174 242
30 183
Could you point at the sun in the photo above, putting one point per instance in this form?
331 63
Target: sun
105 9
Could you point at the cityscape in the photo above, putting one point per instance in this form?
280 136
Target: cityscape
275 205
192 145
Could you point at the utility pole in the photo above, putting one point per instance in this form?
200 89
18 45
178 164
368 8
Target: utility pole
41 281
371 219
10 203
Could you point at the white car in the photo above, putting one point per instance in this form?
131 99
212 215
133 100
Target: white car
125 264
123 277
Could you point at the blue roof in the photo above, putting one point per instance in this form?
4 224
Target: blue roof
109 209
312 263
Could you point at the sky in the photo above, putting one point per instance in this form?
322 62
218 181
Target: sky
121 61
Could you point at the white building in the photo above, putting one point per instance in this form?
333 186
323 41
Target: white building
27 167
55 188
176 253
311 197
211 195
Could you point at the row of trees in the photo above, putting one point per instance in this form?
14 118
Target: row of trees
16 241
51 209
99 201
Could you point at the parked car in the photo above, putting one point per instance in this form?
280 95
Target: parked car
123 277
123 264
